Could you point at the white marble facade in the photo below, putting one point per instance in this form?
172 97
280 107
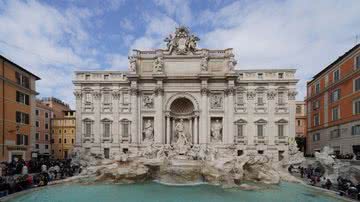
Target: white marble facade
188 95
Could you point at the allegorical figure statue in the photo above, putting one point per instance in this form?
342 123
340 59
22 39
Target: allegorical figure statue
132 65
180 131
148 131
158 65
216 131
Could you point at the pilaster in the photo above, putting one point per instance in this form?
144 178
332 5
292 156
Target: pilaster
159 114
78 136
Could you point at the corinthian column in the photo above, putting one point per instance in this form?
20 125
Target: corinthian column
159 118
203 137
134 115
78 138
230 121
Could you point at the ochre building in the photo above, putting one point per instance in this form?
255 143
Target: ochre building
63 133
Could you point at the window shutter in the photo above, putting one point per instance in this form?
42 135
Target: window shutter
26 140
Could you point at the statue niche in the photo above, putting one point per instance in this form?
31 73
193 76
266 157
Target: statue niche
148 130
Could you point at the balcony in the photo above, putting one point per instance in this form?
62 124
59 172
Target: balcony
89 138
281 140
241 140
261 140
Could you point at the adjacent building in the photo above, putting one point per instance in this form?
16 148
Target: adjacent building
17 110
57 106
43 115
333 106
301 122
185 95
63 134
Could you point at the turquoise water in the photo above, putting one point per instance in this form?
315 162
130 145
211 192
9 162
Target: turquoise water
154 192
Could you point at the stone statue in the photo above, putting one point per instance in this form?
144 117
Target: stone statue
158 65
148 131
231 63
148 101
192 42
132 66
216 131
170 43
181 135
204 61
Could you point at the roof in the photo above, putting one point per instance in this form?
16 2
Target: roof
335 62
18 66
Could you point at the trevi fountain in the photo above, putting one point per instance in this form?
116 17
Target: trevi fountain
184 125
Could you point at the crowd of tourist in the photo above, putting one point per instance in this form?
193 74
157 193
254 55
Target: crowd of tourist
19 175
314 175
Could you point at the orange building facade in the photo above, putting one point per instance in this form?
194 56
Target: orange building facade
333 106
17 110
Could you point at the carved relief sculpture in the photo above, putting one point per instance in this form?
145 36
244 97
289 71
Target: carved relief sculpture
148 132
216 101
148 101
158 65
216 131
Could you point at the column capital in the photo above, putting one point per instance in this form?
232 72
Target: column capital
205 91
159 91
78 94
230 91
116 94
97 94
134 91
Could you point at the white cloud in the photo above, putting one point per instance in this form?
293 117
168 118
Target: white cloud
127 24
178 9
287 34
117 61
47 42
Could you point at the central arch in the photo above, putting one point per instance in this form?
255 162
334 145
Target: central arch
182 111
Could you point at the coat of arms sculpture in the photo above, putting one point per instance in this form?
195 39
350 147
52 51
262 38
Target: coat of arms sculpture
182 42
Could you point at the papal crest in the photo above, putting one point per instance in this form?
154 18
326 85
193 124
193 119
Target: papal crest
182 43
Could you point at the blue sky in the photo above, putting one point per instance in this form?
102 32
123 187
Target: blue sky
54 38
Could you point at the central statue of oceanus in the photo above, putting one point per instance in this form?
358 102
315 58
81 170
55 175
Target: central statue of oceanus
182 42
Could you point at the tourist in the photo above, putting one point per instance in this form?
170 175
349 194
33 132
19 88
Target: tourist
302 172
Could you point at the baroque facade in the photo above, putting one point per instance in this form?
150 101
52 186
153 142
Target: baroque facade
185 96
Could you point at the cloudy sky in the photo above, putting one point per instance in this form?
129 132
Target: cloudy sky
54 38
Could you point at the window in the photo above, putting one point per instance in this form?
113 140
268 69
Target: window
335 113
240 99
356 106
125 128
316 137
88 97
59 131
37 112
46 115
22 139
64 131
46 126
298 109
281 98
64 140
46 146
22 118
260 100
47 137
335 96
317 88
106 77
87 129
72 141
298 122
260 130
126 98
335 133
240 130
260 75
36 146
336 75
106 98
59 140
357 62
87 77
281 75
316 104
316 120
37 124
357 84
106 129
22 80
37 136
355 130
281 130
22 98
